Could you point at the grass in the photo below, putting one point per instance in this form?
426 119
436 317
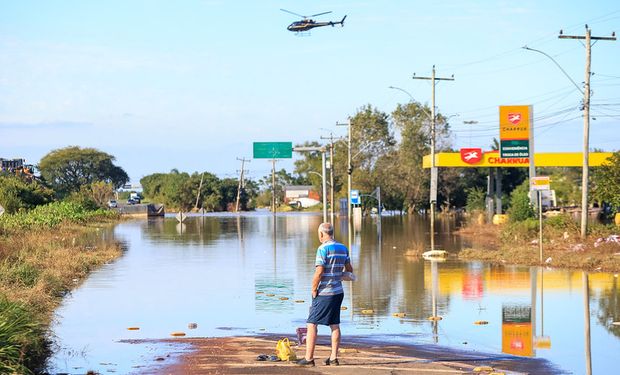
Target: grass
40 260
517 243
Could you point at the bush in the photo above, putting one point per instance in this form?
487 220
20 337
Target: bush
520 207
52 215
520 230
475 199
22 342
18 194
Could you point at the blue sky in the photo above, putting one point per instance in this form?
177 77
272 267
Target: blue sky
191 84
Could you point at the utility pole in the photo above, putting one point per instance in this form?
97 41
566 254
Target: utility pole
241 181
331 174
433 192
199 191
349 169
586 121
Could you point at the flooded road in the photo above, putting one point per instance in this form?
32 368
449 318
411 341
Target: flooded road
231 275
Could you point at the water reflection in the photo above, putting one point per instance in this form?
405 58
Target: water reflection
236 275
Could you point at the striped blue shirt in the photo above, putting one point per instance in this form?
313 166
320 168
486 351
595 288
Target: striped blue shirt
332 256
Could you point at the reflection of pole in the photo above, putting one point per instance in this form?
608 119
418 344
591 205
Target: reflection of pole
542 301
434 289
540 227
324 180
586 315
533 296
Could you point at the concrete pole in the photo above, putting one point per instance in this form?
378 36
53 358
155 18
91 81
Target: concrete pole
331 180
349 172
586 140
324 180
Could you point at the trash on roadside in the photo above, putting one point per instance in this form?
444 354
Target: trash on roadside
612 238
483 369
577 247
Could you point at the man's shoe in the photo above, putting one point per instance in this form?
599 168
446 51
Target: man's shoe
332 362
305 362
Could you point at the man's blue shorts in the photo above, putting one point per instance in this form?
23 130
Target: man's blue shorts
325 310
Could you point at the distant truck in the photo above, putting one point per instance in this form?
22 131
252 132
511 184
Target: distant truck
135 197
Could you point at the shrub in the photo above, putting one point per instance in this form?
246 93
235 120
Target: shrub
51 216
475 199
18 194
520 207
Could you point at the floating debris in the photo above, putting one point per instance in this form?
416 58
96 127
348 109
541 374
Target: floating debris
270 295
299 301
192 325
435 318
259 292
399 315
343 308
177 334
283 298
481 322
368 311
133 328
483 369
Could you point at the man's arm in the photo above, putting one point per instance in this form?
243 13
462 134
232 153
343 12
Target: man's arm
316 279
348 267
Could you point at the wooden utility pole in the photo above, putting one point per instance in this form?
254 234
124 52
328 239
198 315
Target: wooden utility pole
241 181
586 122
199 191
433 190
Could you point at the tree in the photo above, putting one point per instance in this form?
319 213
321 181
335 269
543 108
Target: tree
69 168
607 181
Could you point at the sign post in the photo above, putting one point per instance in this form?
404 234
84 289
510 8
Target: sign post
273 151
538 185
355 197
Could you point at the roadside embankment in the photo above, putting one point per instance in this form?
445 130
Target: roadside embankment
44 253
517 243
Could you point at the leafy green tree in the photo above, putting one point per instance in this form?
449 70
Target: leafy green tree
606 180
69 168
93 196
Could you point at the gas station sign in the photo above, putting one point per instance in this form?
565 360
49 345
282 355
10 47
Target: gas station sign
515 131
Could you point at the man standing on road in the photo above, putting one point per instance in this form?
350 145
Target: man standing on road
332 259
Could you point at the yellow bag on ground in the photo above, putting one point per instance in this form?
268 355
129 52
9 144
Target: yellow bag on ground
284 350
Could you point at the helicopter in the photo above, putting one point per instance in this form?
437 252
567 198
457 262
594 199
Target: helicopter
308 23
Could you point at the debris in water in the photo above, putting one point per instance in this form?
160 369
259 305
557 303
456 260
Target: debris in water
177 334
299 301
283 298
481 322
343 308
399 315
368 311
133 328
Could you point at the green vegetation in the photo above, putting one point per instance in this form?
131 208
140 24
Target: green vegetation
66 170
20 194
607 182
475 199
520 207
180 190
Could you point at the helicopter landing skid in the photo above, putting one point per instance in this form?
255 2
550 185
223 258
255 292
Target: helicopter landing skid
303 34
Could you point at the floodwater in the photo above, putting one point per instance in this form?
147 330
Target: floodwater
231 275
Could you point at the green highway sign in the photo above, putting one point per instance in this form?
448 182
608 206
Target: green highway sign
273 150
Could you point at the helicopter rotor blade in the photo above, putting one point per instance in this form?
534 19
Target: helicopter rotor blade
320 14
293 13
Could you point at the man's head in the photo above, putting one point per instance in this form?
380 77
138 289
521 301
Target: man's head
326 232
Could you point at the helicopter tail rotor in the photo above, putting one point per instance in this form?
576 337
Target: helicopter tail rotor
342 21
